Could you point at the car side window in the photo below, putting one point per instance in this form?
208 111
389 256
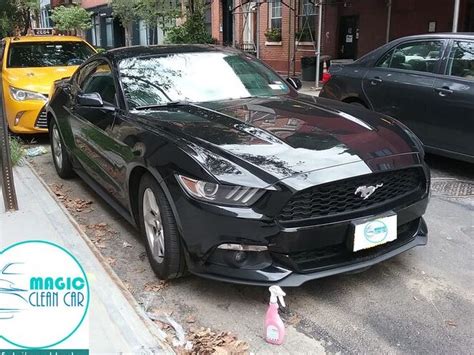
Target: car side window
100 80
421 56
384 61
461 60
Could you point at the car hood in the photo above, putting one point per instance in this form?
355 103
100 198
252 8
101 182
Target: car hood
37 79
282 137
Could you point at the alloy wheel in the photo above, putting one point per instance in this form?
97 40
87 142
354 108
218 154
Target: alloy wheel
57 147
153 225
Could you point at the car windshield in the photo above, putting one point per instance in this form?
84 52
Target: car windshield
47 54
196 77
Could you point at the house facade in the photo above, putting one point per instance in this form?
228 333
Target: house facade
282 32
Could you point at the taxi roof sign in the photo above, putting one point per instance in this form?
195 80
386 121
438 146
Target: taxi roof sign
43 31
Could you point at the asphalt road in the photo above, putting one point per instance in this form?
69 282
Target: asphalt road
419 302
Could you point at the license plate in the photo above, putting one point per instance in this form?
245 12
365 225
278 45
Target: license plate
368 234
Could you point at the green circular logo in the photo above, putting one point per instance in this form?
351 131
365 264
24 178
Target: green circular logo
44 294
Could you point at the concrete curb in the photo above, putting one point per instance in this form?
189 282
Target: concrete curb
154 330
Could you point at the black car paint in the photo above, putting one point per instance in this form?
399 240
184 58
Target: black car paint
292 142
443 122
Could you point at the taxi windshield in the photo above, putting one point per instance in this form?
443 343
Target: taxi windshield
47 54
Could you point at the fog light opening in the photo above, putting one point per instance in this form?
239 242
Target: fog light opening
18 117
240 257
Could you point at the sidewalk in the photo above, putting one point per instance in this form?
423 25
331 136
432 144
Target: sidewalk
309 88
117 324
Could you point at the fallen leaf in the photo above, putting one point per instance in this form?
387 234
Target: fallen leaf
142 256
78 205
206 341
110 260
451 323
155 286
294 319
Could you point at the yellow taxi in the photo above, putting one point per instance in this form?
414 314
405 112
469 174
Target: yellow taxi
29 66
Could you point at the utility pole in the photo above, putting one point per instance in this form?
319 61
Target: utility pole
257 40
389 20
320 36
456 15
8 185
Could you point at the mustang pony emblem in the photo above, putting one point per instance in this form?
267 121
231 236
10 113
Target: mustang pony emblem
366 191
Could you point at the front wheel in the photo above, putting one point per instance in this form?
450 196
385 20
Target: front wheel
159 229
61 160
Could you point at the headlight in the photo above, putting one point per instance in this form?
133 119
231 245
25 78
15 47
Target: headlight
220 194
22 95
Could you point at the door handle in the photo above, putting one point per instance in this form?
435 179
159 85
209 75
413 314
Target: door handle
376 81
444 91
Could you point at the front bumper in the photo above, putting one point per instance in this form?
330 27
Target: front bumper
296 254
31 113
280 275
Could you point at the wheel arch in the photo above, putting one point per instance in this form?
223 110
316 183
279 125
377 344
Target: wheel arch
352 99
134 178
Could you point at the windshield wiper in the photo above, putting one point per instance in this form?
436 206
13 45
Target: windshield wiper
168 104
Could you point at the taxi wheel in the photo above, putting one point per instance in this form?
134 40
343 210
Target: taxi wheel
60 157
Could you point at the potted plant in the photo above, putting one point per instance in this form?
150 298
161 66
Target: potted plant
273 35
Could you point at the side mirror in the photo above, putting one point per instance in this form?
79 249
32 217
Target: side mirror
295 82
92 99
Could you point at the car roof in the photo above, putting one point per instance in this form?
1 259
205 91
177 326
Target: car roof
440 35
23 39
145 51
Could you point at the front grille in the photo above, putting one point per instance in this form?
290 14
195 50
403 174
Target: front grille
339 198
42 120
340 254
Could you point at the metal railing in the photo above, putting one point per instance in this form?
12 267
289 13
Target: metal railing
8 185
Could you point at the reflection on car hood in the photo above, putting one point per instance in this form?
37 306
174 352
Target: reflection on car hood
277 138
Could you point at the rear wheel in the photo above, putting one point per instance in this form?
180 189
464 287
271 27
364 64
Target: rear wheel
357 103
61 160
158 227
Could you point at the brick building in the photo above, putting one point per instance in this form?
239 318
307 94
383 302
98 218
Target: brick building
350 28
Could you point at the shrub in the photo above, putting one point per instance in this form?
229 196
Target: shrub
192 31
16 150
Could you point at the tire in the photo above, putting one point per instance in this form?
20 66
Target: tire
158 228
61 160
358 104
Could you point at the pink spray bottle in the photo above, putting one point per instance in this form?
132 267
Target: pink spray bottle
274 327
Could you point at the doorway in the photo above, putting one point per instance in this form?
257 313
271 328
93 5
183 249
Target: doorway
348 37
470 17
227 23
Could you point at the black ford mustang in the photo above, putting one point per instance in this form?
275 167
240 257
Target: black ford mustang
230 173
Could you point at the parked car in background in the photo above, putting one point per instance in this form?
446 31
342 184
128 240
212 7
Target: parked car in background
426 82
230 173
29 66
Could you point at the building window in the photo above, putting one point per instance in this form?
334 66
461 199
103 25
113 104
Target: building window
96 31
307 21
275 13
109 30
143 29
